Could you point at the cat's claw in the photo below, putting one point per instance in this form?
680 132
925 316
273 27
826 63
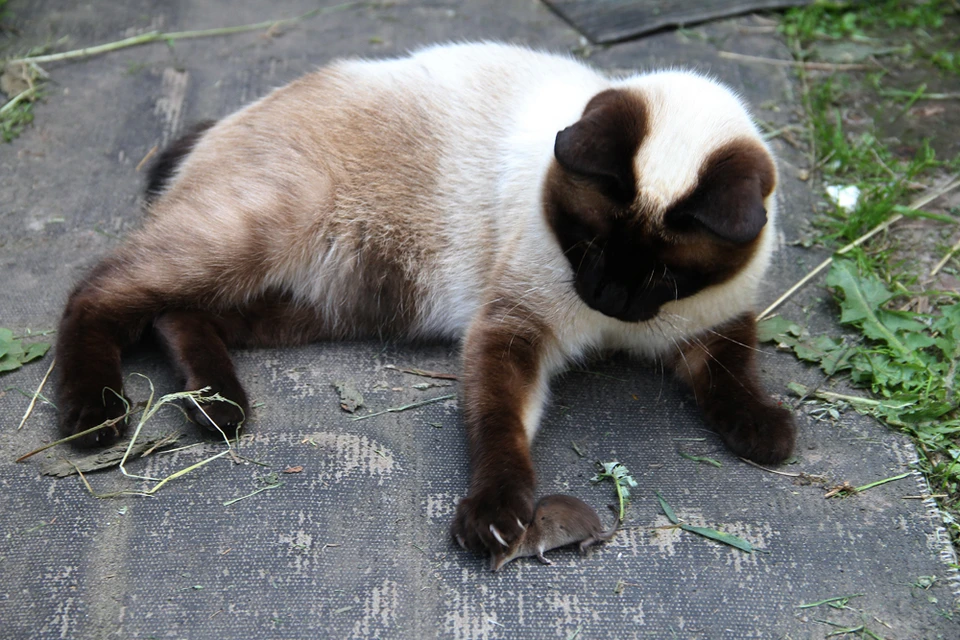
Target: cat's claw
497 536
492 521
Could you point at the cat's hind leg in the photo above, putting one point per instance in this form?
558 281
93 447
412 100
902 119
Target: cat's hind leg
194 342
103 315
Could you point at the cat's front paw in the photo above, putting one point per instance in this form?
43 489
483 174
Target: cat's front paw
79 413
764 433
491 520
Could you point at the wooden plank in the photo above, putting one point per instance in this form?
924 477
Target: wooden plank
607 21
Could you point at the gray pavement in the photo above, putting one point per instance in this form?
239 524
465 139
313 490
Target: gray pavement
356 544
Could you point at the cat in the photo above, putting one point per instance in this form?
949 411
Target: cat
513 199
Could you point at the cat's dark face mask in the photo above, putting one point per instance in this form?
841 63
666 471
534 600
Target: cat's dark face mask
629 259
621 276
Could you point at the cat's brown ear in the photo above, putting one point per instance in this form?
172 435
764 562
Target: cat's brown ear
729 198
602 144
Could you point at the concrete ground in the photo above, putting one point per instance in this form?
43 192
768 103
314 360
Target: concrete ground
356 543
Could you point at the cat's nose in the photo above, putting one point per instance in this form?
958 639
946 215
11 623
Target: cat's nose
611 299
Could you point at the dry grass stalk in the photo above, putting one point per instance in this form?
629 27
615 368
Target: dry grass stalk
33 400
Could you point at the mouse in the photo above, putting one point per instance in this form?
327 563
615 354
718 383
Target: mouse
558 520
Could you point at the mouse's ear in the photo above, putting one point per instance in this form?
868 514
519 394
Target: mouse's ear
602 144
730 197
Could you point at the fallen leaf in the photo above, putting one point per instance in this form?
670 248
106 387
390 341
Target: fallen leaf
350 397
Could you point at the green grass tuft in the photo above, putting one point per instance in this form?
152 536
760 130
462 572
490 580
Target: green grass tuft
14 120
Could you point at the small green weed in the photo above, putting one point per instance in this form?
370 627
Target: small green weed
622 482
13 120
908 360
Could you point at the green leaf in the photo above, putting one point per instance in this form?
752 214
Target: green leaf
9 363
720 536
843 599
702 459
798 389
864 293
828 352
6 340
12 353
917 341
667 510
775 329
900 321
862 296
34 351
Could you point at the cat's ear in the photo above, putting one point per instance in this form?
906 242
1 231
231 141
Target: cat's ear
729 200
602 144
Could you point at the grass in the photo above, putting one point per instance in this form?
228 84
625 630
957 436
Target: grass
15 115
147 411
901 338
706 532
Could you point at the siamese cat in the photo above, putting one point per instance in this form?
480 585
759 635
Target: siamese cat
516 200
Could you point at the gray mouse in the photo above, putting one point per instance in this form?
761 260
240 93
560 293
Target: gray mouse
558 520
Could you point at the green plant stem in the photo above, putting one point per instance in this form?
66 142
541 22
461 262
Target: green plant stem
17 99
157 36
912 99
620 499
871 485
253 493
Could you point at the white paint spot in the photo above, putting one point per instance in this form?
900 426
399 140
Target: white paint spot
379 612
173 92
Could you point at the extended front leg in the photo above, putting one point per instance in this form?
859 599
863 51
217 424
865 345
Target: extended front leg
504 388
720 367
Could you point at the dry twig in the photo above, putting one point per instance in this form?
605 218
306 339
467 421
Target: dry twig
33 400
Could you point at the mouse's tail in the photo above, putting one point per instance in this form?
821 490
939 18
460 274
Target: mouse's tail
612 531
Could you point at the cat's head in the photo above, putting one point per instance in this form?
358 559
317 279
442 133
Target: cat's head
661 189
